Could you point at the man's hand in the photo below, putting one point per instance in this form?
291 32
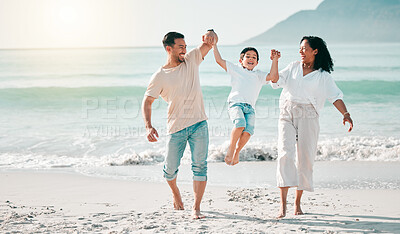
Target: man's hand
152 134
275 54
210 38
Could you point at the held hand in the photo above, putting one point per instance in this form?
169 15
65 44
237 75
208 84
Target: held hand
347 118
152 134
278 55
215 37
210 38
275 54
215 42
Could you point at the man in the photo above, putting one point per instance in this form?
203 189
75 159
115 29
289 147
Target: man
177 82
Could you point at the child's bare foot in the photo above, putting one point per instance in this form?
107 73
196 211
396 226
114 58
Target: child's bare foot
197 215
229 155
178 204
282 212
298 211
235 159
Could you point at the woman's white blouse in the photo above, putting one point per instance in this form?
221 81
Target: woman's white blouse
313 88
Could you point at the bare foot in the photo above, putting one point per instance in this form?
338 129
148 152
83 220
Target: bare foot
235 159
282 213
229 154
178 204
298 211
197 215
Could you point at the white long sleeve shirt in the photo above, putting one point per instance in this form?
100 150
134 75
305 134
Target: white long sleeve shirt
313 88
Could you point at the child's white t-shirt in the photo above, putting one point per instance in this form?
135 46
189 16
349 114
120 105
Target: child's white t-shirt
246 84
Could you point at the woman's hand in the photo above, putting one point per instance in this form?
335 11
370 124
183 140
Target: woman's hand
339 104
347 118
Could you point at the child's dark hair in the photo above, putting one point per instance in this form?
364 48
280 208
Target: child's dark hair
323 59
248 49
169 38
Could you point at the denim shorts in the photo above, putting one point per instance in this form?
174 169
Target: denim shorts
242 115
197 137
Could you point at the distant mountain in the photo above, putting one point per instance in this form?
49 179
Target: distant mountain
340 21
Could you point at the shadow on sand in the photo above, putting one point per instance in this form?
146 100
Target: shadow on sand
320 222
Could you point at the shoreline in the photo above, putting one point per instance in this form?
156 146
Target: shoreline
70 202
255 174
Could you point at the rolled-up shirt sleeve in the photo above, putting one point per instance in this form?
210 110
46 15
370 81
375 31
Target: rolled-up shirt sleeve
333 93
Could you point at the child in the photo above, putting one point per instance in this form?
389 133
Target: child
246 85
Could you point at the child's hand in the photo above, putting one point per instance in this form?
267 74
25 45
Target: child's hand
215 41
210 38
215 36
275 54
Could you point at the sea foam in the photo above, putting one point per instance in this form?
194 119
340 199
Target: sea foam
380 149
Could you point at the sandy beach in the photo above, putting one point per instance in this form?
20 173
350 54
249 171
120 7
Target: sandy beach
54 202
81 79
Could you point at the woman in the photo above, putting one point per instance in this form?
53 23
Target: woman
306 85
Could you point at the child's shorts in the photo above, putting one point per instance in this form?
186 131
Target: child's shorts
242 115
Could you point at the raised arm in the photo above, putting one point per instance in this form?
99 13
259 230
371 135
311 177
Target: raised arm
339 104
273 73
218 58
208 41
146 112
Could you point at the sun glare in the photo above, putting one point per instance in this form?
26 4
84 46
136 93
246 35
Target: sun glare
68 16
67 23
76 23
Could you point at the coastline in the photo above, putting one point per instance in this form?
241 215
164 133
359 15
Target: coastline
38 201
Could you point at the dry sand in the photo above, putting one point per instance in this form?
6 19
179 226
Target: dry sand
67 202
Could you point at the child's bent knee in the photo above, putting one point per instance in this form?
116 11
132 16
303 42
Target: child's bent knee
239 123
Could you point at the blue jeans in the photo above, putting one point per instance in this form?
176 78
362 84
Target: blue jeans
197 136
242 116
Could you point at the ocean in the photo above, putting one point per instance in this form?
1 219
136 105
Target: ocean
80 109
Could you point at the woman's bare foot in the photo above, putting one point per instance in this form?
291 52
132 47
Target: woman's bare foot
282 212
197 215
229 155
298 211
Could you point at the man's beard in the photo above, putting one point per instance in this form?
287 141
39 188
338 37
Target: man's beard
180 59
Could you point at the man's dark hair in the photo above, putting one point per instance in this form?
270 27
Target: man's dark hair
323 59
248 49
169 38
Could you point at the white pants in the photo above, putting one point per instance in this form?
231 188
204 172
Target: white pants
298 124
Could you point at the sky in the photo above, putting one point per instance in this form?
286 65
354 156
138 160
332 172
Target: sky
135 23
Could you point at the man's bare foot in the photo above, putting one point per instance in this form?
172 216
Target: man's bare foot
178 204
282 213
229 155
298 211
197 215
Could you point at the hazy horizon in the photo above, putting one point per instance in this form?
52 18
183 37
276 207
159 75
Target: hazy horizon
58 24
